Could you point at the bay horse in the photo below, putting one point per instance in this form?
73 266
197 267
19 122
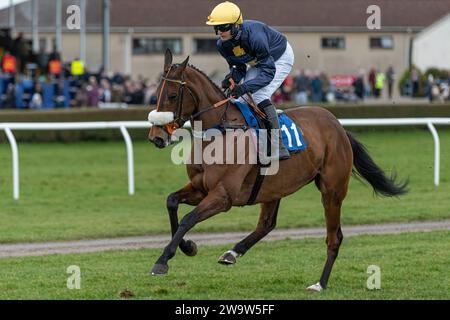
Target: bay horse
186 93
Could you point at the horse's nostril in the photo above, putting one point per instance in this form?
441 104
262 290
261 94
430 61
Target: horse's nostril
158 142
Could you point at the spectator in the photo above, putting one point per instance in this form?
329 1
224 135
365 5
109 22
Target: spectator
379 84
10 99
106 94
287 87
36 99
54 55
358 86
93 92
415 80
138 94
278 96
448 85
444 91
42 59
129 91
302 85
118 78
117 93
21 51
81 97
9 63
430 88
325 85
371 79
316 85
390 77
150 92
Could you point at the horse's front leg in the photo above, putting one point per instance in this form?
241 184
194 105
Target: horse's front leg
218 200
266 223
188 195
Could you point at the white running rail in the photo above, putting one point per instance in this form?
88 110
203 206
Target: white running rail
123 125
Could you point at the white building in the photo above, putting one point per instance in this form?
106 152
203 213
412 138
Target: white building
431 47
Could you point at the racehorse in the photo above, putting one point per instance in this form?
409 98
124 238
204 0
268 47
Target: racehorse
185 93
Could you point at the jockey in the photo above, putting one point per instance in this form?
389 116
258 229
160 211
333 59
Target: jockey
266 51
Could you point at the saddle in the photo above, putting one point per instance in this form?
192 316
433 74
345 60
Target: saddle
291 134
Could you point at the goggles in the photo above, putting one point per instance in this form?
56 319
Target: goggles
223 27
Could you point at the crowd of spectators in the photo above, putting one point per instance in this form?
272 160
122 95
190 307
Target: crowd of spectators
88 90
317 87
43 80
92 90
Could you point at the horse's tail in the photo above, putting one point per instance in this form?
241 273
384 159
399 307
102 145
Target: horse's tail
367 169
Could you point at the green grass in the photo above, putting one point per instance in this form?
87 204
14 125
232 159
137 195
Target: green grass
413 266
79 190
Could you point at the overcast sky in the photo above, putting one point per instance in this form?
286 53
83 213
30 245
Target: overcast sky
5 3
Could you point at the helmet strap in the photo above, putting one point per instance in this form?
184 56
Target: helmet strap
235 27
234 30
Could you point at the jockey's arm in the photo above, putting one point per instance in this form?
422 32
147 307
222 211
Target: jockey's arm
237 71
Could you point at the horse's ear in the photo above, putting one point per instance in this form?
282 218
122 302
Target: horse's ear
167 59
184 64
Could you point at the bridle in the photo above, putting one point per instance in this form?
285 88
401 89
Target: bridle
178 121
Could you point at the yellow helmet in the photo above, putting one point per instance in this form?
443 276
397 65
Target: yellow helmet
224 13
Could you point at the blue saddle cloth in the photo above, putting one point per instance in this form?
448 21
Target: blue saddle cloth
291 134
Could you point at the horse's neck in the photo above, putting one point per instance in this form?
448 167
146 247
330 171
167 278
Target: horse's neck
208 95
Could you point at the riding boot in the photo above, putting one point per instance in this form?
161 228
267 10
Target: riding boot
267 107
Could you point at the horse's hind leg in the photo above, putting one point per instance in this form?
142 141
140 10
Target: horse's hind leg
188 195
333 188
266 223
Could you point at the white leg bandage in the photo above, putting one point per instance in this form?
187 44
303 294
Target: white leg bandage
233 253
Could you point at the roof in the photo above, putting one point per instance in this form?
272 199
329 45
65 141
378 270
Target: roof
295 15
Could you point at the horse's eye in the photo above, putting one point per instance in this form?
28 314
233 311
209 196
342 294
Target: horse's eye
172 96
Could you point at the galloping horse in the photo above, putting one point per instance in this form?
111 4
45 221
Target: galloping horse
185 93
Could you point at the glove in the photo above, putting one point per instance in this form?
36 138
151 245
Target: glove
226 82
237 91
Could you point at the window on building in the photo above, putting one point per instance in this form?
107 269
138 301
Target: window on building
333 43
383 42
205 45
156 45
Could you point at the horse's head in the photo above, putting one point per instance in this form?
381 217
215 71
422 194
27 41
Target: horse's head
175 103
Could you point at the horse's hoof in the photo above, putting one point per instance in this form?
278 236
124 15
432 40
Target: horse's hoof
189 248
227 258
159 269
315 287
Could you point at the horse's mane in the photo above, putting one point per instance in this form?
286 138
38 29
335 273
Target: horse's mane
209 79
